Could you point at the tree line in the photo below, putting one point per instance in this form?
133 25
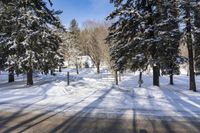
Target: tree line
32 39
149 32
140 33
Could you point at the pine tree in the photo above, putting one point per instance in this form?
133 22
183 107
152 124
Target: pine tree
32 36
28 39
8 26
126 37
40 8
137 33
188 16
50 57
146 33
170 35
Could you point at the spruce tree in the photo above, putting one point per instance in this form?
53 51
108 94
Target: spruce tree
188 15
168 31
8 27
136 34
24 37
159 35
126 37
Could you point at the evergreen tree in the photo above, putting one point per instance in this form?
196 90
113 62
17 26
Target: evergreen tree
8 27
50 57
126 37
158 36
168 31
151 13
138 33
190 30
40 8
28 39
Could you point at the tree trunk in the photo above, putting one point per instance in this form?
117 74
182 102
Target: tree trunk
30 77
191 68
52 72
155 75
171 79
190 47
60 69
98 67
46 72
11 77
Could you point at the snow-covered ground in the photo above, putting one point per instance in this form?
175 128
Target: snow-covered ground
96 95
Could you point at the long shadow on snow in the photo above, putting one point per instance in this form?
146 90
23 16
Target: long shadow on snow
166 124
42 95
37 82
182 107
38 118
76 122
15 115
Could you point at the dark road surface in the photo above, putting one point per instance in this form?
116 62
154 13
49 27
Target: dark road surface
51 122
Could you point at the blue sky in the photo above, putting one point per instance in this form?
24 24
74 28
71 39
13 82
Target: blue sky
82 10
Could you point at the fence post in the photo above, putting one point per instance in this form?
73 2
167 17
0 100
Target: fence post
67 78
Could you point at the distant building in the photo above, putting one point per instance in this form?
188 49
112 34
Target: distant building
83 61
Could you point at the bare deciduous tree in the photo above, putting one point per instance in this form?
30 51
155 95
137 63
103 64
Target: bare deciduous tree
93 42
